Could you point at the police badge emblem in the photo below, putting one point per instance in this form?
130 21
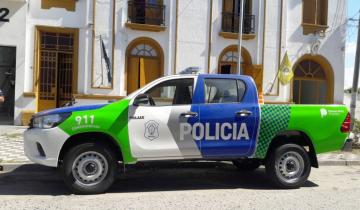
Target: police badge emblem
151 130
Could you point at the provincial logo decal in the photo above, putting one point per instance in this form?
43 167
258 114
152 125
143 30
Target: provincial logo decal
151 130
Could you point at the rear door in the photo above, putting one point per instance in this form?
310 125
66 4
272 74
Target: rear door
154 130
229 117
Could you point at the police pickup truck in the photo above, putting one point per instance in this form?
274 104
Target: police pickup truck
185 117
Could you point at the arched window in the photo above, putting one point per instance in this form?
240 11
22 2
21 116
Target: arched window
311 83
229 57
144 50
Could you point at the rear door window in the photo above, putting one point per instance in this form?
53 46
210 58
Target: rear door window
221 91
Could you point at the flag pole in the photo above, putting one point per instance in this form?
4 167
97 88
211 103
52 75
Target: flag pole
101 63
241 16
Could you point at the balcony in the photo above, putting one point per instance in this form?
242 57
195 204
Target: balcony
146 16
230 26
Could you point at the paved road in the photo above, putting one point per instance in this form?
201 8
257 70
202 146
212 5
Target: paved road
183 186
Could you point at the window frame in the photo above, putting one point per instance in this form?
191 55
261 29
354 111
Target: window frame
68 5
315 25
239 100
169 80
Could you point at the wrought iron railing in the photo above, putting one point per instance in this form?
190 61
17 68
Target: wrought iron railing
230 23
146 13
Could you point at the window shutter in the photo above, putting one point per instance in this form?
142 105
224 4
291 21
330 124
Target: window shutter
309 11
321 13
69 5
228 6
248 7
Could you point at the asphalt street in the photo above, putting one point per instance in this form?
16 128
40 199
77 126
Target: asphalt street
209 185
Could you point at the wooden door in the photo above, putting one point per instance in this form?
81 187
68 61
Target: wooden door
141 71
47 81
56 66
154 12
133 76
64 79
151 70
256 73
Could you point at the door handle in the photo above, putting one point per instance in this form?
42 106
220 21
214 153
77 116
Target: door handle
243 113
189 114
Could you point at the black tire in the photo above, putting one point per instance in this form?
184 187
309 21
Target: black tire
247 164
288 166
94 158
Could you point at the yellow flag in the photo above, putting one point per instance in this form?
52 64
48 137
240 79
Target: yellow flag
286 70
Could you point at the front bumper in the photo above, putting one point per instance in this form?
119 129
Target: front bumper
48 140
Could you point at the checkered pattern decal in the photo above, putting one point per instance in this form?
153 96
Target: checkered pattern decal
274 118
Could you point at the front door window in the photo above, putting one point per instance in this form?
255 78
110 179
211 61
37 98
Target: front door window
155 129
173 92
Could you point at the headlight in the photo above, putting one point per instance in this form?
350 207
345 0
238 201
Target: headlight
49 121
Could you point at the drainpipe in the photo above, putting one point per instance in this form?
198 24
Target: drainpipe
241 16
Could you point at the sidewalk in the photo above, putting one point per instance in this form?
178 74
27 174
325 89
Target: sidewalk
11 144
12 151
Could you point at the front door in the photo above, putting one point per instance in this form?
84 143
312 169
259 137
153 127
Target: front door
56 69
228 118
154 128
7 84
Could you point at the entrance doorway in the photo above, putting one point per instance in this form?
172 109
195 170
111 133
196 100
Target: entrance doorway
228 61
144 63
57 77
7 84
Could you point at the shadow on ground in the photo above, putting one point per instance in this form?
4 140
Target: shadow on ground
39 180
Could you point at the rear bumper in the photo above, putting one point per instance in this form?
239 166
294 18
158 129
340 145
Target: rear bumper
48 140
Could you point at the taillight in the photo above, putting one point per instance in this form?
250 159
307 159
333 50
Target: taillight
345 127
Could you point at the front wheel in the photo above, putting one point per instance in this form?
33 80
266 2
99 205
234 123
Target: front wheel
89 168
288 166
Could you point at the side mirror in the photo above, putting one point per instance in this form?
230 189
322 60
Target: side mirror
141 99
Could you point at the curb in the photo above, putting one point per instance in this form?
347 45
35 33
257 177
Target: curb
5 167
339 162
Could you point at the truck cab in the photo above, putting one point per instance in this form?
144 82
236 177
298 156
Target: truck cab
204 116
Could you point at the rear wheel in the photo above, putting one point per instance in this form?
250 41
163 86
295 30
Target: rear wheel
89 168
247 164
288 166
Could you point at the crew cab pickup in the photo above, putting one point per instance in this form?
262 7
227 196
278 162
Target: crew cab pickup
185 117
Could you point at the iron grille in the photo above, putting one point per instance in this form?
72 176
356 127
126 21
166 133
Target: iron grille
230 23
146 13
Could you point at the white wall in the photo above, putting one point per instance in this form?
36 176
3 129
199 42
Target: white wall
192 41
124 36
219 43
297 44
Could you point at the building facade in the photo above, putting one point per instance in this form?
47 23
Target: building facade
93 51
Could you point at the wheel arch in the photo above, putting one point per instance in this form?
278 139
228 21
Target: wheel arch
98 137
295 137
